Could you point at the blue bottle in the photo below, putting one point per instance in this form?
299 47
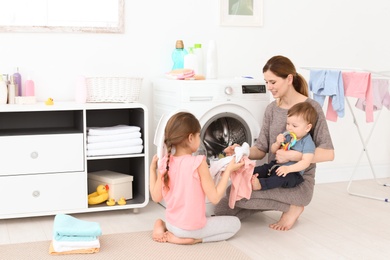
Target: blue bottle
178 55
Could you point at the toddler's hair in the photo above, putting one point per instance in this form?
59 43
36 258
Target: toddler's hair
305 110
177 130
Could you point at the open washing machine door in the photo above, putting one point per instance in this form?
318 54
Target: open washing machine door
222 131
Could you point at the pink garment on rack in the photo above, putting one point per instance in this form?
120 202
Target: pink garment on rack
381 96
358 84
241 182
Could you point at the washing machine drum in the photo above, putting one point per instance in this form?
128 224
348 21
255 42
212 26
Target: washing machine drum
222 131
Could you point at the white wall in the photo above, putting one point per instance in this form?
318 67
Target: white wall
333 33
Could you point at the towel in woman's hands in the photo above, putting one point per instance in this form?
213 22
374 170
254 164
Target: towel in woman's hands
68 228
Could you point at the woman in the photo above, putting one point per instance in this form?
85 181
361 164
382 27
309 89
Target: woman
288 88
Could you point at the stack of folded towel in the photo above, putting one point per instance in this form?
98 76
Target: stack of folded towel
114 140
74 236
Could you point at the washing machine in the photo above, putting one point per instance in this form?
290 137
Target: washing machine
229 110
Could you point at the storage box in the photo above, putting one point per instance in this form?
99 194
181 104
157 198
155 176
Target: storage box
120 185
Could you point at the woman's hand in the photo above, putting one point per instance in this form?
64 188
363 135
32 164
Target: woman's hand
230 149
283 156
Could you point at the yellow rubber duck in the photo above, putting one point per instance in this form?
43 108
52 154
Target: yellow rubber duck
49 102
110 202
122 201
99 196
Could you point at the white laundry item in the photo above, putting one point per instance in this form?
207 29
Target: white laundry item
112 130
109 138
241 151
218 166
115 144
63 246
115 151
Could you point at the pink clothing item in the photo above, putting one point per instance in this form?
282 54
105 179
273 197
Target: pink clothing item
241 182
358 84
185 200
381 96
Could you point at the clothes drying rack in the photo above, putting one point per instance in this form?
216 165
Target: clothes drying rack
364 141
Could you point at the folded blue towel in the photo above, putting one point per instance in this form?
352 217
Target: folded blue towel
68 228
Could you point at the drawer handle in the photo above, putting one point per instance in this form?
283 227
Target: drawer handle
36 193
34 155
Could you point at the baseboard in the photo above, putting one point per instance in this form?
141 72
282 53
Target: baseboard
339 173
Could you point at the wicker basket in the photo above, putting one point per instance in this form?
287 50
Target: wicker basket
113 89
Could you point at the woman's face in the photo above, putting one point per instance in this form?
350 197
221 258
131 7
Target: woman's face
276 85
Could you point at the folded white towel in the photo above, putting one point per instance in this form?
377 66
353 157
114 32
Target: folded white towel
112 130
114 144
63 246
109 138
115 151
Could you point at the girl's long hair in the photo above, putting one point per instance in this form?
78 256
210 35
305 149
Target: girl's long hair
177 130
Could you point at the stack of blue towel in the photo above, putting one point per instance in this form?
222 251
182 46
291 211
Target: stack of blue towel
74 236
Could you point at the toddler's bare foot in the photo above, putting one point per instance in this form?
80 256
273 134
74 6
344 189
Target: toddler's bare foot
255 182
159 231
288 219
171 238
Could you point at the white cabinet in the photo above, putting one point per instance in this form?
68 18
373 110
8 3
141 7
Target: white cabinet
44 167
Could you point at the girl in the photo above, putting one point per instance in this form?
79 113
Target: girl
184 181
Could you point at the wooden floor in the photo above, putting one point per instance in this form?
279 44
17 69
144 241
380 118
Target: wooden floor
335 225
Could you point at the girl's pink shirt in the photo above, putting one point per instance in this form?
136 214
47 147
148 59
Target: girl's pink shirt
185 200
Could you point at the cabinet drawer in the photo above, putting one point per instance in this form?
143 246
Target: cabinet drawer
25 194
29 154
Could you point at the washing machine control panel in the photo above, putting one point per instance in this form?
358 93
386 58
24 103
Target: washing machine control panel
253 89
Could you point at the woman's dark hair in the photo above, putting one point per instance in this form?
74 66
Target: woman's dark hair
177 130
282 67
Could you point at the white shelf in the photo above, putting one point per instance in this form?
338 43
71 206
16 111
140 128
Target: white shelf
35 136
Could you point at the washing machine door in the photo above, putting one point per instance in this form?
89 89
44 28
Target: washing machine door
227 125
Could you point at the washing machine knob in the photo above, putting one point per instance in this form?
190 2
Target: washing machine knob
228 90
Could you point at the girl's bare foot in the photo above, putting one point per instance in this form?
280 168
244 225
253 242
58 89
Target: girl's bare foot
159 230
171 238
288 219
255 182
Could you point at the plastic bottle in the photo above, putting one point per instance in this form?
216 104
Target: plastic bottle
178 55
81 90
199 56
18 82
212 61
3 91
11 91
30 87
190 60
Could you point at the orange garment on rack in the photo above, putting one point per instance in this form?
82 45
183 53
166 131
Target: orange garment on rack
358 85
241 182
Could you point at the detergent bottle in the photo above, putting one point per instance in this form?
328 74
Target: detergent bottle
178 55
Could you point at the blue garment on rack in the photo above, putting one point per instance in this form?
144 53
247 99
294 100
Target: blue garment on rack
329 83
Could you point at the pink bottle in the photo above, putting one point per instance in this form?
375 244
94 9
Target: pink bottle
81 90
30 88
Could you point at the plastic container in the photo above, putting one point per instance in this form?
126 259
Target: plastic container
199 57
190 60
18 83
11 91
81 90
178 55
212 61
119 184
3 91
30 88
